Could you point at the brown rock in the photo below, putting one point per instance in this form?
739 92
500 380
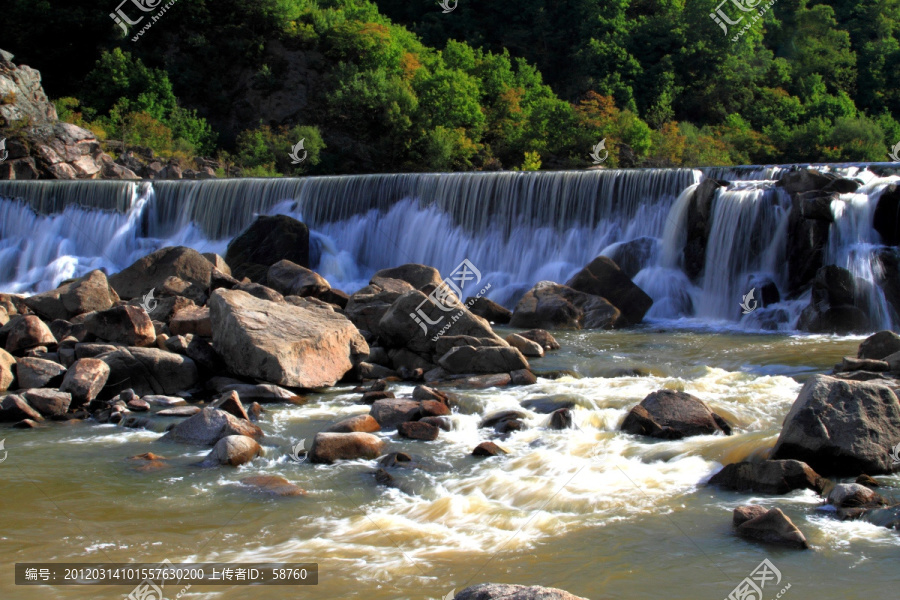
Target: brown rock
129 325
290 279
554 306
230 402
417 430
7 377
768 477
390 413
525 346
138 405
329 447
773 527
179 411
602 277
671 415
488 449
27 424
273 484
281 343
209 426
28 332
433 408
522 377
418 276
152 271
742 514
505 591
149 371
14 408
84 380
489 310
354 424
234 450
371 397
86 294
267 241
38 373
191 320
468 359
50 403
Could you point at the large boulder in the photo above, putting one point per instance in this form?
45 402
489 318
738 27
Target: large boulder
14 408
886 220
152 271
148 371
86 294
282 343
290 279
209 426
768 477
330 447
267 241
126 324
841 427
699 217
506 591
416 275
28 332
549 305
672 415
489 310
879 346
390 412
417 321
602 277
484 359
831 309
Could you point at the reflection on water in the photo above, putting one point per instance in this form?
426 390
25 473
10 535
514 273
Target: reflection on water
590 510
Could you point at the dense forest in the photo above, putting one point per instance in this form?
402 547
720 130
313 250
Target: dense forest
400 85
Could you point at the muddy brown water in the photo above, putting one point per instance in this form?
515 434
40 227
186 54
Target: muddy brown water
589 510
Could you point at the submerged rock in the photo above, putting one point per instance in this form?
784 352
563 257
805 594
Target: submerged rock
330 447
505 591
234 450
672 415
272 484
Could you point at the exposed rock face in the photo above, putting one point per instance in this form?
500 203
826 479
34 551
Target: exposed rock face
841 427
673 415
86 294
496 591
768 477
831 309
632 256
602 277
152 271
46 148
209 426
389 413
366 307
330 447
699 225
282 343
549 305
267 241
50 403
38 373
773 527
7 376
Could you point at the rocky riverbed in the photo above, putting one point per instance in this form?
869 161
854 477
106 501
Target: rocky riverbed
179 347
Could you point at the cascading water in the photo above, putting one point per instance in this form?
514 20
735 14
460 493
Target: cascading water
517 228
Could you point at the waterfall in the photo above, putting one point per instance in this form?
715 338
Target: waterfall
516 227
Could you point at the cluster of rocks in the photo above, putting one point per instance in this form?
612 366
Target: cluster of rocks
838 427
146 165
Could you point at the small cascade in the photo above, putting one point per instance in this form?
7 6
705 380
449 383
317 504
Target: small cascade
517 228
